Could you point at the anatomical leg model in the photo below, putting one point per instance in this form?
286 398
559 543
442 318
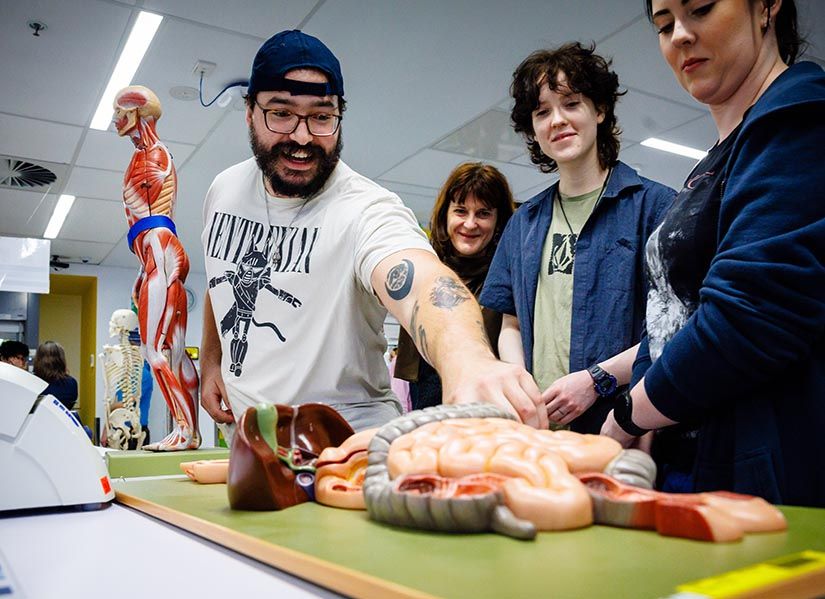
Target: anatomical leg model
122 366
149 188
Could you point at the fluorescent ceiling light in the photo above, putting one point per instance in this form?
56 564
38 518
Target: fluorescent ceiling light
127 65
667 146
64 204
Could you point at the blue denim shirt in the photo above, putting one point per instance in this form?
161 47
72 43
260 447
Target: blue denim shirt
609 283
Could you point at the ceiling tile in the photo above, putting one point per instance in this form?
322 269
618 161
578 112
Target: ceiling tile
523 159
637 61
488 137
700 133
642 115
38 140
431 168
119 255
669 169
25 213
526 194
79 251
260 18
94 220
812 20
106 150
170 62
60 74
96 183
422 68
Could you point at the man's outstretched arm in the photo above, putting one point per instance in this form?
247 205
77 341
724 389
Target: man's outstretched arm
444 320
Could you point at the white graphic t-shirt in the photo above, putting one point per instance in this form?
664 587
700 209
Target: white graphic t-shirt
291 291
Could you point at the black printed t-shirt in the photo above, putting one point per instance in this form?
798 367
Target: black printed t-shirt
678 256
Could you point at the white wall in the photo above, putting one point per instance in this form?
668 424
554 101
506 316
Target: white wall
114 288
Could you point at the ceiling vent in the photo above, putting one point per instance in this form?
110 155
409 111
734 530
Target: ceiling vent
20 174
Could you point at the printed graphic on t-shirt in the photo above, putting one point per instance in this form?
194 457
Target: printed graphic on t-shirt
666 312
562 254
289 248
679 252
283 249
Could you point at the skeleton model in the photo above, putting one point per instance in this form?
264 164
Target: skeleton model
149 188
122 366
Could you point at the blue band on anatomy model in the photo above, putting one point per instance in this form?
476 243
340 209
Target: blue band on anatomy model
149 222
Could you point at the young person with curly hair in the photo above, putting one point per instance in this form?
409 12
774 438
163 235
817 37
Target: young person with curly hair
568 274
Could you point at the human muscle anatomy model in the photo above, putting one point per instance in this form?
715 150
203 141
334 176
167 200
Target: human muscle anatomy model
122 365
149 189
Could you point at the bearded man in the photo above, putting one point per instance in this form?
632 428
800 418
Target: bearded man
340 252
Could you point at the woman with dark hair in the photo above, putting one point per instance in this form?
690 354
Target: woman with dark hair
568 275
50 365
470 213
735 347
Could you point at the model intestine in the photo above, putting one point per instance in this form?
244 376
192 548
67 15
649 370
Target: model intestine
149 190
472 468
122 365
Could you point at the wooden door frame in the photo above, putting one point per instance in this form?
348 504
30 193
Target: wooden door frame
86 288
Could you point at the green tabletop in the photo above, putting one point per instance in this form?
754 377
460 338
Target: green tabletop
151 463
598 561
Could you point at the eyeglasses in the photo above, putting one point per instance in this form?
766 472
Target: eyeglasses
280 120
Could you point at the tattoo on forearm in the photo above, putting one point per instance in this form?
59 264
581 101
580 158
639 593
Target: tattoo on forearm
400 279
418 334
448 293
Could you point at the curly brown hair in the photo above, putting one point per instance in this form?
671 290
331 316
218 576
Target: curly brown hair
588 74
488 185
50 362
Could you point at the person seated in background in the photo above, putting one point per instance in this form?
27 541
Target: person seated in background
569 272
50 365
470 213
15 353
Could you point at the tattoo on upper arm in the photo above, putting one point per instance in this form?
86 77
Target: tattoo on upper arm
400 279
448 293
418 334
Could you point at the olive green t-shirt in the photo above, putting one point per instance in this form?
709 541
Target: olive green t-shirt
554 295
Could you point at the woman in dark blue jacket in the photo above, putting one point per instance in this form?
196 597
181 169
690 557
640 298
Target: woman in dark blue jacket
736 316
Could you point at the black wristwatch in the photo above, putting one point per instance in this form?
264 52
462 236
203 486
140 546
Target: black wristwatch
604 382
623 413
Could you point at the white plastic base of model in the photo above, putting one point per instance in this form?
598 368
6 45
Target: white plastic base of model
46 458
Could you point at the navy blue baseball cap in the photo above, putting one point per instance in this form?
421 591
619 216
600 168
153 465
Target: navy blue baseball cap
290 50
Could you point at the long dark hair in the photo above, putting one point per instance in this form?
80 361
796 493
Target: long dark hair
488 185
50 362
791 43
588 74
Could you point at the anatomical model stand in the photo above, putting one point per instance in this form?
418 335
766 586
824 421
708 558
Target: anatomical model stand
149 189
122 366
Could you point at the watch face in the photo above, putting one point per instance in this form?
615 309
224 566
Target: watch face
607 385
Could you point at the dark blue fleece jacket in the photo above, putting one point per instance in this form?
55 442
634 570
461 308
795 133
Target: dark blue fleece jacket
750 362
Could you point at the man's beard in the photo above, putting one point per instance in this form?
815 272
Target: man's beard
267 159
